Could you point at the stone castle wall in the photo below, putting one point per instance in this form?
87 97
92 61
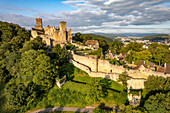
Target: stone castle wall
88 61
112 76
102 68
80 46
105 66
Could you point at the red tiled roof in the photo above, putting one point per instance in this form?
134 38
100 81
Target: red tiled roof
91 42
161 69
139 64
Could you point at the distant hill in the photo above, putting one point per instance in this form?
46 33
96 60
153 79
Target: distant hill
155 38
108 40
112 36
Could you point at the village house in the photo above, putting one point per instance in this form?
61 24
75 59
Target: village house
165 69
92 43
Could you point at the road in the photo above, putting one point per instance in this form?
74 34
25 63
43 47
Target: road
74 109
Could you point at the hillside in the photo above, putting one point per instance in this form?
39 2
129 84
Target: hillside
108 40
156 37
112 36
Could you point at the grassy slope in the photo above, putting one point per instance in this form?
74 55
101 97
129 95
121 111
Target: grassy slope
79 81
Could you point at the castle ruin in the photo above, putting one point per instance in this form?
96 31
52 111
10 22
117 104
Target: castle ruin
52 35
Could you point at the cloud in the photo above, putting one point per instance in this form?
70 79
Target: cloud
12 8
120 12
17 19
104 16
73 1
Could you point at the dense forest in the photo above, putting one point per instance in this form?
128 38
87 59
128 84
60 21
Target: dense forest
26 68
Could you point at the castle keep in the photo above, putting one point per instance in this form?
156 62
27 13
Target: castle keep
52 35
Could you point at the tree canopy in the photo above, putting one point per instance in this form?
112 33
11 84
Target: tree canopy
115 47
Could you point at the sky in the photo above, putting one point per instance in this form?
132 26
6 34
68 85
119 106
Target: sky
91 16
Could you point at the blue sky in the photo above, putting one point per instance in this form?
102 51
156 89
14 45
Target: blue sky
91 16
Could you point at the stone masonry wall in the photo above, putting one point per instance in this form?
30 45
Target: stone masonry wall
105 66
80 46
102 68
112 76
88 61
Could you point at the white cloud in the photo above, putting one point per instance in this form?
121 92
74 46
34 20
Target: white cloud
111 1
107 16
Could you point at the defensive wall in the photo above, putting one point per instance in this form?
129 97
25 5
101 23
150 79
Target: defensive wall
103 68
112 76
81 46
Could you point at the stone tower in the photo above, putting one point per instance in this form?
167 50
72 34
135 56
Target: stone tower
63 30
63 26
38 23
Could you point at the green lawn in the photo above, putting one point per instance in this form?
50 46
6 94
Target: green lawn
87 79
73 86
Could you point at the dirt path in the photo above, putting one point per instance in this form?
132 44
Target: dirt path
74 109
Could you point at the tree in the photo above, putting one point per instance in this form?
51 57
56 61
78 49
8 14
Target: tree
96 91
36 66
16 94
85 38
10 30
38 43
134 46
59 56
4 75
157 103
17 43
27 65
153 46
131 109
78 37
29 45
154 84
159 55
20 96
5 49
167 57
115 47
144 55
12 63
44 71
0 35
130 57
102 43
123 77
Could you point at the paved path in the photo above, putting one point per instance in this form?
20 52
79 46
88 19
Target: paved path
74 109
